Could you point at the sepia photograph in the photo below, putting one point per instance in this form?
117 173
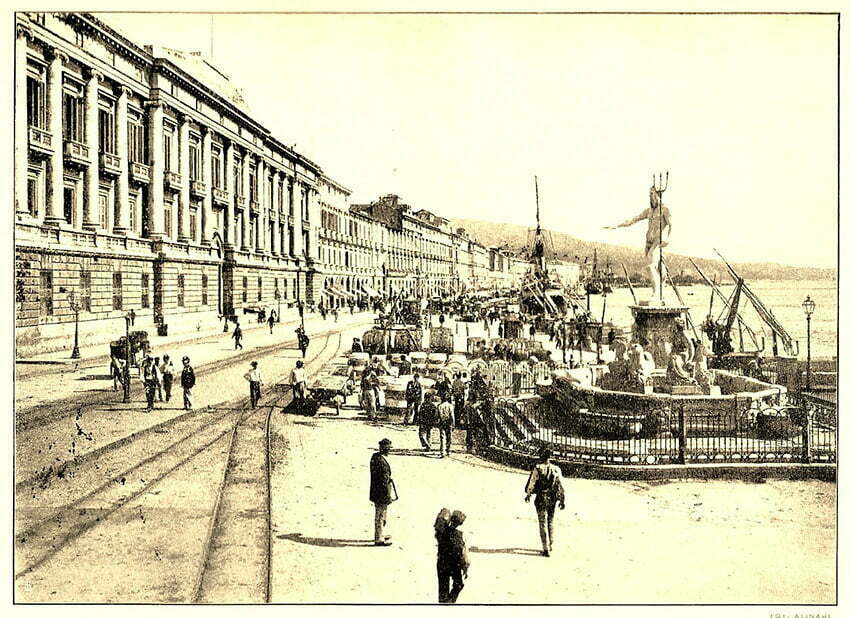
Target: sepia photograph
415 308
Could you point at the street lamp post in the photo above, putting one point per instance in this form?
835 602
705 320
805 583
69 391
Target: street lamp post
75 307
127 360
809 309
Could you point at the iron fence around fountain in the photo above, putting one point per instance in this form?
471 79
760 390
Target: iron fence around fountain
727 432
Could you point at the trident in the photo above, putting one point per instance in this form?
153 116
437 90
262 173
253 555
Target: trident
660 190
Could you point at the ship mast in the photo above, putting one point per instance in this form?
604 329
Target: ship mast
537 202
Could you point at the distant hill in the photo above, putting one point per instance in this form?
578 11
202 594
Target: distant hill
569 248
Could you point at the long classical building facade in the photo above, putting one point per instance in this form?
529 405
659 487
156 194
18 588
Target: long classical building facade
143 183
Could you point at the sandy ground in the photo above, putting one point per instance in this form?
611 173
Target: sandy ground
144 548
616 542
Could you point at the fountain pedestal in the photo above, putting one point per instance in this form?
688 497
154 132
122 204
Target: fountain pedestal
654 328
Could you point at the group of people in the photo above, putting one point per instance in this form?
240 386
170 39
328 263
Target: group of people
158 377
544 484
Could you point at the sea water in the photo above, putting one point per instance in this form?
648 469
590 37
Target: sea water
784 298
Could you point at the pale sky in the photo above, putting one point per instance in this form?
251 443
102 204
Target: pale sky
456 113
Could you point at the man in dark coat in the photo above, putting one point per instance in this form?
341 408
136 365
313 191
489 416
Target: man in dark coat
187 381
413 395
427 420
381 490
452 559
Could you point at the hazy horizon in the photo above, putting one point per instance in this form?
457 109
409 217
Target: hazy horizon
456 114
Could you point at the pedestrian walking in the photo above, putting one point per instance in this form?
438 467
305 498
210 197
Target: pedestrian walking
298 381
336 315
428 419
132 316
368 394
167 369
546 484
382 491
157 378
446 423
187 381
413 395
149 371
255 382
443 387
303 341
116 368
452 558
459 397
272 320
237 337
356 345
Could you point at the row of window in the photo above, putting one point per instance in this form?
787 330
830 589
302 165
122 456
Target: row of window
74 129
83 301
276 295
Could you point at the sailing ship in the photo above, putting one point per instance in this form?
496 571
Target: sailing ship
542 291
599 283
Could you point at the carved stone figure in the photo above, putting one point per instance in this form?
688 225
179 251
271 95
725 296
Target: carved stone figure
657 236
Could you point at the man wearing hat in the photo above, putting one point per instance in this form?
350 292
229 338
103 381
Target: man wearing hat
187 381
413 395
452 559
255 382
546 483
381 490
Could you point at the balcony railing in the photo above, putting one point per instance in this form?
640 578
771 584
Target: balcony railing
139 172
173 181
41 142
220 196
255 206
110 164
76 153
198 188
240 201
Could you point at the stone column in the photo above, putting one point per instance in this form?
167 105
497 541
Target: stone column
55 181
23 35
274 206
155 205
299 226
183 206
122 185
91 203
262 217
283 211
230 186
312 209
246 193
206 173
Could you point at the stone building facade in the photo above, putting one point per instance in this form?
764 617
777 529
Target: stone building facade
143 184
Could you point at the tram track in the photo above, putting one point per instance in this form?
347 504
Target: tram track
73 520
240 525
39 478
40 414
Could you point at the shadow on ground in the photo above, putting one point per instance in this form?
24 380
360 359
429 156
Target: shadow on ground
520 551
297 537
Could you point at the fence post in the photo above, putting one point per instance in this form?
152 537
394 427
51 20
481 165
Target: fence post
683 435
807 432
